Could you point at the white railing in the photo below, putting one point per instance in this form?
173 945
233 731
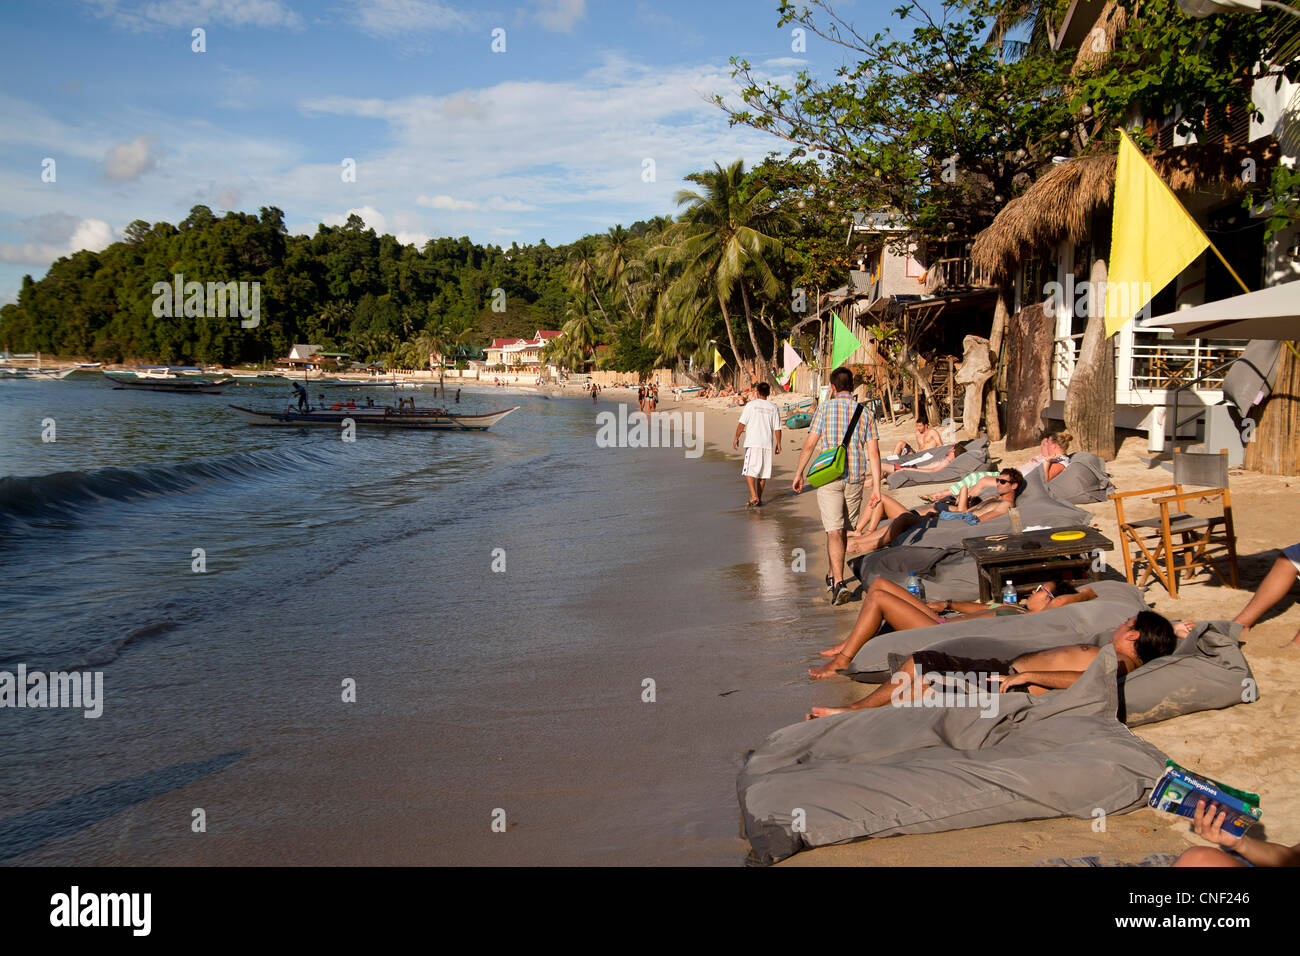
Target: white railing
1148 367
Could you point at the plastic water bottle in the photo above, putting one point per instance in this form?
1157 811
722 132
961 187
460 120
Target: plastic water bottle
914 585
1009 593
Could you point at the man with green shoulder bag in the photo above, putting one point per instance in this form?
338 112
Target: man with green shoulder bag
843 436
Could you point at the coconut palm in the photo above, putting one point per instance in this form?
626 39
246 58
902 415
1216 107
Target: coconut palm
583 273
441 338
728 245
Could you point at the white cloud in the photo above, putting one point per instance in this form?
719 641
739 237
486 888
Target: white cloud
398 19
228 198
54 235
128 161
375 219
417 239
445 202
497 203
151 14
560 16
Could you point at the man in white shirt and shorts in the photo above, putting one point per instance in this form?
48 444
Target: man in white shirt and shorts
761 423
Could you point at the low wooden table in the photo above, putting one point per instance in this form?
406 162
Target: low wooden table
1002 556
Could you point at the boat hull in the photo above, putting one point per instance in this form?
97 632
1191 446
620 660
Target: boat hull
376 418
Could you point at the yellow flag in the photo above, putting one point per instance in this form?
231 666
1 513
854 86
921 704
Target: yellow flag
1152 237
718 361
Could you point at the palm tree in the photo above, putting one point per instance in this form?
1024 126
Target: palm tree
441 338
615 260
728 244
582 272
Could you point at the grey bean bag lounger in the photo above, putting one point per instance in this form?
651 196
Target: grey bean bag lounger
934 550
1084 480
878 773
927 457
1006 636
1206 672
974 458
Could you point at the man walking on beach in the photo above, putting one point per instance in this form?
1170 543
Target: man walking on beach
840 501
760 421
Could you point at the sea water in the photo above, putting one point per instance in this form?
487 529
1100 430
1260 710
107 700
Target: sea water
509 647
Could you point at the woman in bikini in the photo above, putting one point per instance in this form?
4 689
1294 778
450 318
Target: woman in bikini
903 611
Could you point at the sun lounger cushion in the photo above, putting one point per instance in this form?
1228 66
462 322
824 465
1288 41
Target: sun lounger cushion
1206 672
878 773
927 457
1082 623
1084 480
974 458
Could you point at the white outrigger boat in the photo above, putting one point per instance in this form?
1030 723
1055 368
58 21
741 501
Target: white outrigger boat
52 374
381 416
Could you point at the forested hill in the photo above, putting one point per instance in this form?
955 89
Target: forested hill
343 288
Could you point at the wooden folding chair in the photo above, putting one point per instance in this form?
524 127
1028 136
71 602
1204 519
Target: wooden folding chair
1175 542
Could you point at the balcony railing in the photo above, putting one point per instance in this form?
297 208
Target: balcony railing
1152 366
946 275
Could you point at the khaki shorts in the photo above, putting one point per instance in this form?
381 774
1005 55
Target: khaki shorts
840 502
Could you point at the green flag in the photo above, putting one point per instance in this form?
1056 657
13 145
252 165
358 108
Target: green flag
843 342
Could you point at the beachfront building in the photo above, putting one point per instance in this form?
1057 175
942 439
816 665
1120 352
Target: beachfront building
1047 242
311 357
521 355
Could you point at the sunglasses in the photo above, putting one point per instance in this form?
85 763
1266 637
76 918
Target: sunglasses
1005 481
1043 588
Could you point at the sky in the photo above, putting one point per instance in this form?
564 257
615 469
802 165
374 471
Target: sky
587 113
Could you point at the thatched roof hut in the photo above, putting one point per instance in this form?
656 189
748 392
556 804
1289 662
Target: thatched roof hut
1059 207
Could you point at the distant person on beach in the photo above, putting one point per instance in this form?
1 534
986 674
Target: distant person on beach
938 465
926 438
1137 641
1245 850
761 424
841 500
887 602
1009 484
1272 589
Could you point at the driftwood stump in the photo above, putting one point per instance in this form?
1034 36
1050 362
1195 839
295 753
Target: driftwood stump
976 368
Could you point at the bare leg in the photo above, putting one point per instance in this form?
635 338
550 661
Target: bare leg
903 685
1271 590
762 483
888 507
886 535
835 553
753 491
903 612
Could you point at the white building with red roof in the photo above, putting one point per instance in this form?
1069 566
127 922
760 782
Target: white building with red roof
523 353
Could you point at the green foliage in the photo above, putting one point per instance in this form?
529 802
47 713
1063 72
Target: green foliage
344 288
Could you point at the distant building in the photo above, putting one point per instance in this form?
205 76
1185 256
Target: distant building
524 353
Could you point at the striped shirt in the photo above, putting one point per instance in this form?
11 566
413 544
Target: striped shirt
831 421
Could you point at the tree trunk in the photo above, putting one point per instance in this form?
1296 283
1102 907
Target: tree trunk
1029 386
726 320
1090 396
1274 448
975 371
1001 315
764 372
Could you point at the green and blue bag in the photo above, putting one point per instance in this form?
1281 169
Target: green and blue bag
830 465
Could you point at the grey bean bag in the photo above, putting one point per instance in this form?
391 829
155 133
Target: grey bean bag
974 458
1206 672
878 773
927 457
1084 480
1090 622
935 552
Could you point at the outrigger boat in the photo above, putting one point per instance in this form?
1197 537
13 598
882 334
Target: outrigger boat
381 416
44 373
156 380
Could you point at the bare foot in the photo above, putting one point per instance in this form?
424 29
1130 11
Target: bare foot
826 712
831 651
829 668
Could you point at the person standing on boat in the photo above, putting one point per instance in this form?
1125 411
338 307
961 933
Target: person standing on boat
303 404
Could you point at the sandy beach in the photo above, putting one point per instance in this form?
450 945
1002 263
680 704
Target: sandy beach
1248 746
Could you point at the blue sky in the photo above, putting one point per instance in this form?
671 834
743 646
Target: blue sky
545 140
